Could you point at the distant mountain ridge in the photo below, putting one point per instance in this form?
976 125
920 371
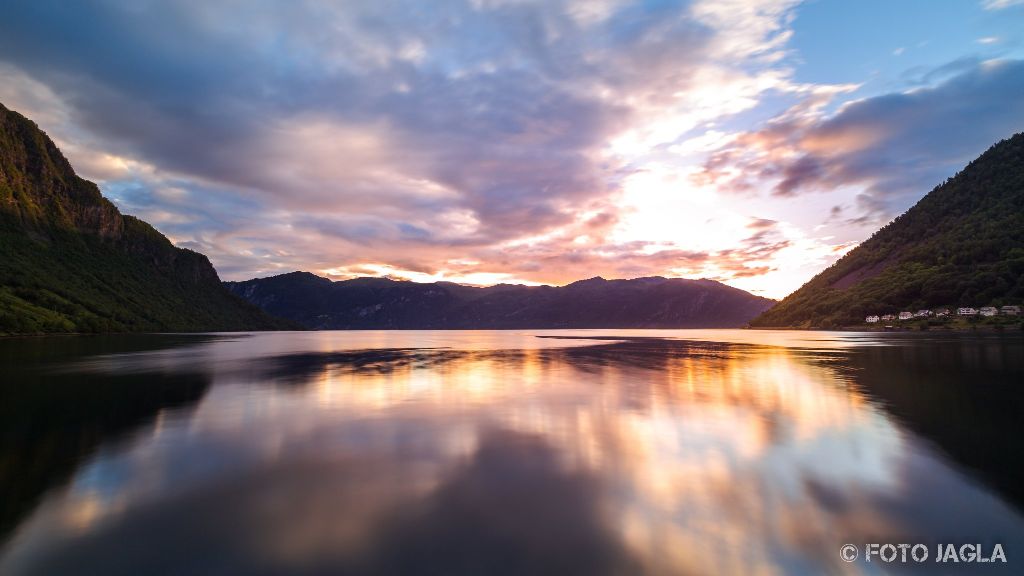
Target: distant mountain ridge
381 303
960 245
71 262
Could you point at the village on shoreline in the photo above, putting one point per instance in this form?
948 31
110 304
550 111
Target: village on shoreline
966 312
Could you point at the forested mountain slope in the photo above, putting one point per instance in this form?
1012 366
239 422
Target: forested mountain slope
962 244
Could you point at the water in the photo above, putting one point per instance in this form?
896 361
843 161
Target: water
519 452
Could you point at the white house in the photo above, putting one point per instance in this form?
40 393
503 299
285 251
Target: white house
966 312
942 312
871 319
906 315
988 311
1010 310
922 313
888 317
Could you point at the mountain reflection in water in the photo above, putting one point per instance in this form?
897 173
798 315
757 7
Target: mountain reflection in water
698 452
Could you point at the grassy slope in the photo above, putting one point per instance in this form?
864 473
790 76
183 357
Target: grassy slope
962 244
71 282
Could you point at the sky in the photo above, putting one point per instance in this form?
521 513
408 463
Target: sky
487 141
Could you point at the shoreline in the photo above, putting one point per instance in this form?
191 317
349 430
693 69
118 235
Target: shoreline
987 327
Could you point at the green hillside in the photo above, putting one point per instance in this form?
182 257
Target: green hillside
962 244
70 262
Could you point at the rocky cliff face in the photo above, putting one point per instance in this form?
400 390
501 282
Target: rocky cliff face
40 189
70 261
43 193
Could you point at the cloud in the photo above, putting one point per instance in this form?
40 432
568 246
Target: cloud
896 146
319 136
1000 4
360 122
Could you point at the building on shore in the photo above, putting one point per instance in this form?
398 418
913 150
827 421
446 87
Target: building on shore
1013 310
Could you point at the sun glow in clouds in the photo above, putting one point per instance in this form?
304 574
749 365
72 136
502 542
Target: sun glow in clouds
387 271
664 210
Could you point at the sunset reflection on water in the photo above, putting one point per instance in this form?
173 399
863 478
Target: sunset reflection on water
312 454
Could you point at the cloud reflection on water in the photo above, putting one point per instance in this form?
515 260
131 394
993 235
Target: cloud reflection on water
644 455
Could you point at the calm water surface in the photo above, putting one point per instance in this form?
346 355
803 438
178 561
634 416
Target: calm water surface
507 452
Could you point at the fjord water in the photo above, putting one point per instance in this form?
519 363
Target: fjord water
518 452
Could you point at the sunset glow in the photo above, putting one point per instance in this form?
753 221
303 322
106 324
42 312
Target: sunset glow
489 141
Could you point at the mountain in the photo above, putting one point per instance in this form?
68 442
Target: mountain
70 262
962 244
381 303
